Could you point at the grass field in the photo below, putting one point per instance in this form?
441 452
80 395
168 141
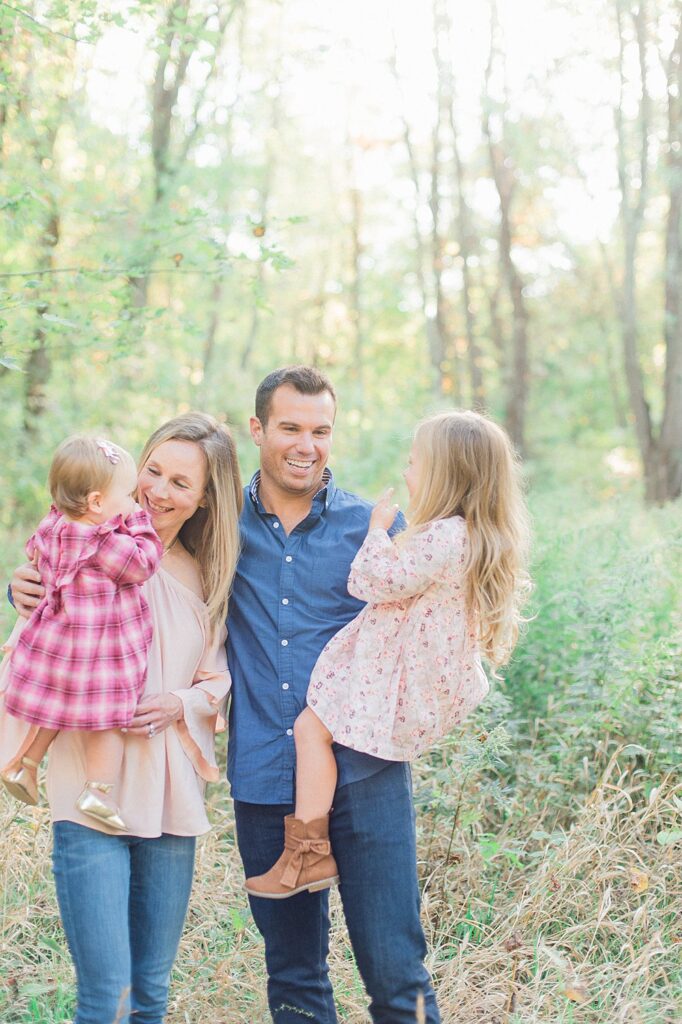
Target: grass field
550 832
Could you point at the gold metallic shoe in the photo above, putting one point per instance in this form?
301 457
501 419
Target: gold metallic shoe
22 781
95 802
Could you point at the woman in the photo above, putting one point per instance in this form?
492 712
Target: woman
123 898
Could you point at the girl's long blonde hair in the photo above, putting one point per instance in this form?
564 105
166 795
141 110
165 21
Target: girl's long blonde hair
467 467
211 535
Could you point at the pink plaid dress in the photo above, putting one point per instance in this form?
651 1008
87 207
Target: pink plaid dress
81 661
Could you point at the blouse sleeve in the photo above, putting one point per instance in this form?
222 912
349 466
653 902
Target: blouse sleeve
384 571
204 706
130 552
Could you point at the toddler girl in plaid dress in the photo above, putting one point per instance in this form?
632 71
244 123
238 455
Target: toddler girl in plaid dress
408 669
80 661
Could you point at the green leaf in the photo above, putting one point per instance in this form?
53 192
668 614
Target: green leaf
47 942
669 837
10 364
51 318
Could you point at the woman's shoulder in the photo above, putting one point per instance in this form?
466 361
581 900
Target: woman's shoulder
184 568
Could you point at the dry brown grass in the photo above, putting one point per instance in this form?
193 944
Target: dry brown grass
573 922
552 901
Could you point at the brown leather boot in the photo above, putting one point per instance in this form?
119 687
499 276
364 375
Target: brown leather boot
306 864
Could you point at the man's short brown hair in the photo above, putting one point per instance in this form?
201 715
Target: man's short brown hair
305 379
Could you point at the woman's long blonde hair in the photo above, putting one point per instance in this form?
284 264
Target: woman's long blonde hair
211 535
468 468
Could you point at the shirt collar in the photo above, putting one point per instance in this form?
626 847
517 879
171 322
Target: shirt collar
321 501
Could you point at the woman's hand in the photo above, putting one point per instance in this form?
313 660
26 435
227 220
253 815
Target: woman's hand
27 589
384 512
154 713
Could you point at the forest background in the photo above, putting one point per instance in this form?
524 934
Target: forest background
441 204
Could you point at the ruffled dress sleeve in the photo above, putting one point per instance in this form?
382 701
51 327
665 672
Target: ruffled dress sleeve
204 705
128 550
35 543
384 570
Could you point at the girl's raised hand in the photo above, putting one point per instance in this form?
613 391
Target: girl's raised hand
384 512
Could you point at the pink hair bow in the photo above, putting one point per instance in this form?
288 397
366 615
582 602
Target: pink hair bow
108 450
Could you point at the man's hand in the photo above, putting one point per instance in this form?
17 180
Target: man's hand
27 589
384 512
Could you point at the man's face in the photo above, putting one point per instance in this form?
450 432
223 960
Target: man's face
295 442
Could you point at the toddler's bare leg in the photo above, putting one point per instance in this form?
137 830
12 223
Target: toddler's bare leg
103 755
316 771
103 759
41 742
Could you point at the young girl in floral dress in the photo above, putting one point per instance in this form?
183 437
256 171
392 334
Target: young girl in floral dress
408 669
80 661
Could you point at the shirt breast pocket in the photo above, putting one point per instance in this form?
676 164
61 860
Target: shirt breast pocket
329 580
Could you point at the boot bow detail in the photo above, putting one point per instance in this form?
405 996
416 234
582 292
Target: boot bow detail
320 847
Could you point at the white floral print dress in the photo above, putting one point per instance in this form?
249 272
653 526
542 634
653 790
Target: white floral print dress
407 669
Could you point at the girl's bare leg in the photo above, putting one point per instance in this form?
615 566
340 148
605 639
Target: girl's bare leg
103 755
39 746
316 772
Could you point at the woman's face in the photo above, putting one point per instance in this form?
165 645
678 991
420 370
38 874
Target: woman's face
171 485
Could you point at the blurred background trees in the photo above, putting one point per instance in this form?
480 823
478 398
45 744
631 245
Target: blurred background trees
440 203
437 204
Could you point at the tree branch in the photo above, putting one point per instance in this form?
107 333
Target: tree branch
45 28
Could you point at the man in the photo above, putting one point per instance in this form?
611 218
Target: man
300 534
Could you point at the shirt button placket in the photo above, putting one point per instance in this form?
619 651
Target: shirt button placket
286 635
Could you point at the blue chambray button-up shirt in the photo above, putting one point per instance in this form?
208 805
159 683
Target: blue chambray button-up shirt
289 598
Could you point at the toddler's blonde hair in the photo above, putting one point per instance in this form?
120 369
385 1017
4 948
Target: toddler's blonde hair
80 466
468 468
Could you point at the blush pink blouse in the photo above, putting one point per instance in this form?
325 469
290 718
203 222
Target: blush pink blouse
162 784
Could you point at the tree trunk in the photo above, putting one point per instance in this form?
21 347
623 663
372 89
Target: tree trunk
209 341
671 428
433 339
442 348
38 365
270 160
176 49
505 182
464 230
356 293
631 215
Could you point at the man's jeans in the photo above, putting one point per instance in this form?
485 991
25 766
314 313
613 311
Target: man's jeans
373 838
123 901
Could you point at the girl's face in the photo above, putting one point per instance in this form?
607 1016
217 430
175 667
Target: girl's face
118 498
412 474
171 485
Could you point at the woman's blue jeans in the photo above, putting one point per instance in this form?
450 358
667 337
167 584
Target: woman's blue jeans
123 901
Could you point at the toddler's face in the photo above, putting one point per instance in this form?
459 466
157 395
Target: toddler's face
118 498
411 474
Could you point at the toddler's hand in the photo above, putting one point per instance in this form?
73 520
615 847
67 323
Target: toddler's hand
384 512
